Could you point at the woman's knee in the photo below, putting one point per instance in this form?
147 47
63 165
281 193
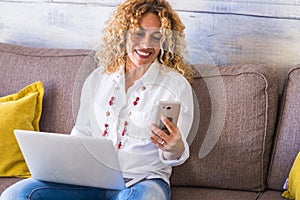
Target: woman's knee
151 190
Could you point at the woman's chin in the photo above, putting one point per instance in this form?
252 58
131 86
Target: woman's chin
142 63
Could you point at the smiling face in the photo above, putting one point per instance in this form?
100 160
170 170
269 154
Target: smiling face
144 44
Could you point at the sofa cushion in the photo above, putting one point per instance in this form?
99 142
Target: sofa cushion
271 195
196 193
5 182
287 141
21 110
62 72
232 146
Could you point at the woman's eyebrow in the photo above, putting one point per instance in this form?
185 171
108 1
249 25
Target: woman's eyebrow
149 28
142 29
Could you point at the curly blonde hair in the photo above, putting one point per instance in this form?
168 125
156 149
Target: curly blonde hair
112 52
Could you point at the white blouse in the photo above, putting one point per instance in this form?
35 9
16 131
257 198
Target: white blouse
107 110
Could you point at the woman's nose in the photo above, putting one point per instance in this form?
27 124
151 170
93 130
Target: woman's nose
146 41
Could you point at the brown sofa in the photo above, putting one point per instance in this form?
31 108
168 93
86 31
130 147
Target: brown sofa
242 147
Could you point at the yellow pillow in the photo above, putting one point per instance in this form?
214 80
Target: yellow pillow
18 111
293 191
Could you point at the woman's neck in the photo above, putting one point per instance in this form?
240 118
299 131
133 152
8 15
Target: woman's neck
133 73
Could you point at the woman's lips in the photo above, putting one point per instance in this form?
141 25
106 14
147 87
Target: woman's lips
143 53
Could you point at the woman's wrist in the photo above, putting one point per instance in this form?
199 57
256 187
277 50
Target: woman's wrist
167 155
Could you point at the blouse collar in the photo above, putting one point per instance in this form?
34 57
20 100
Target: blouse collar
148 77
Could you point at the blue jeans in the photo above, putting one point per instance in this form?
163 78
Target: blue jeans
31 189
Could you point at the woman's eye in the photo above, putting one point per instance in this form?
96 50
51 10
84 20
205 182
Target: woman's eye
139 34
156 37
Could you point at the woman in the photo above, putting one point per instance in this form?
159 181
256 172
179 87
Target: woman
141 63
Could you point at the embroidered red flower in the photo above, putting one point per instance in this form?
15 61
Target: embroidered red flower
104 132
111 101
119 145
136 101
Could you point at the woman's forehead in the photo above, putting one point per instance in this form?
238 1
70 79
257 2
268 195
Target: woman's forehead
149 29
149 20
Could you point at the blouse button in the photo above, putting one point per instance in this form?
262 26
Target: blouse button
129 113
107 113
143 88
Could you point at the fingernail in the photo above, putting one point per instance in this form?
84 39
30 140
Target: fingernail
163 118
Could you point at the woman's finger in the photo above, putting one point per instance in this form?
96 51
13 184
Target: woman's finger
170 126
161 134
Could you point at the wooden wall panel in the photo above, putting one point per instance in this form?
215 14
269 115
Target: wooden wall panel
52 25
217 31
267 8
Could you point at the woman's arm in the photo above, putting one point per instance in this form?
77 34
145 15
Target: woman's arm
83 120
173 148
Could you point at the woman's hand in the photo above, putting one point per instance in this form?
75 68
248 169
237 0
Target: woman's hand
172 144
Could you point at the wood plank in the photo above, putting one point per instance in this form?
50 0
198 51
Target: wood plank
248 39
27 1
267 8
213 38
52 25
97 2
283 9
80 26
228 39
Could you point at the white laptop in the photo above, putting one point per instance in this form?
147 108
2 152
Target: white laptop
73 160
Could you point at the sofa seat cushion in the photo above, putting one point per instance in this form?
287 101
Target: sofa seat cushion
5 182
232 147
196 193
271 195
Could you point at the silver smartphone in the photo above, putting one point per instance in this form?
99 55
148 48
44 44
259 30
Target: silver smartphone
169 109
